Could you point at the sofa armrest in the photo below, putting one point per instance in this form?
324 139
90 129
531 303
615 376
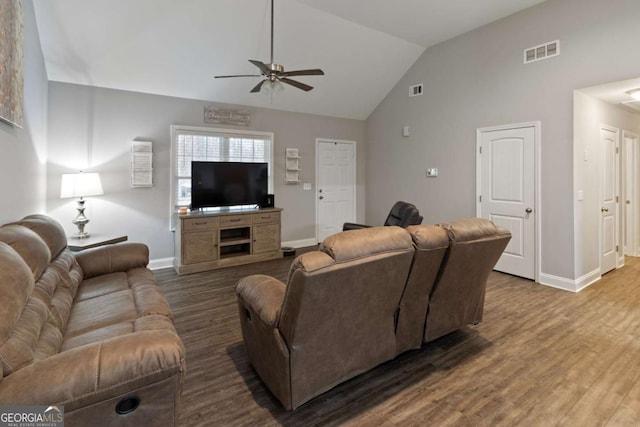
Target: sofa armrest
112 258
263 295
96 372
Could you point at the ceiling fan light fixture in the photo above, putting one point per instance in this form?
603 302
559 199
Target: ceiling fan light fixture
634 93
276 86
270 87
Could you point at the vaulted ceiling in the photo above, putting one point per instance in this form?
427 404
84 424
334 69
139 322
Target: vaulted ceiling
175 47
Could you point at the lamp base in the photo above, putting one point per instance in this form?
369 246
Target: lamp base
80 221
81 235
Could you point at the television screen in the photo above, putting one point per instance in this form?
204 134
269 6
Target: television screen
215 184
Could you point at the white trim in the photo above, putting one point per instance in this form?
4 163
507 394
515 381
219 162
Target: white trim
311 241
355 185
157 264
185 128
537 127
568 284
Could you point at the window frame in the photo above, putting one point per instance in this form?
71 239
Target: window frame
178 129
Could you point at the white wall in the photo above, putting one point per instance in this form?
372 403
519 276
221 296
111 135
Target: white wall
23 151
478 80
92 128
589 115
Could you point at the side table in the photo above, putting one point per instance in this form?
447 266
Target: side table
93 241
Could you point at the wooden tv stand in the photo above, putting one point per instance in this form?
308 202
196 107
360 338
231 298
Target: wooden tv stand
207 241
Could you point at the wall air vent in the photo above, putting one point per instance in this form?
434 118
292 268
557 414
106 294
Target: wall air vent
415 90
542 51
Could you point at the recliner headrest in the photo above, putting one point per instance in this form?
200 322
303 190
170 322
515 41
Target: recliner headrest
354 244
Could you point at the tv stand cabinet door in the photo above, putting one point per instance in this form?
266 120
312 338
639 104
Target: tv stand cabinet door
266 238
200 246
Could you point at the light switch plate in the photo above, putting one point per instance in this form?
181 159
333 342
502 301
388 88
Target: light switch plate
432 172
306 186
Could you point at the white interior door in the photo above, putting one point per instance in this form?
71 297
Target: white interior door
506 174
608 198
335 189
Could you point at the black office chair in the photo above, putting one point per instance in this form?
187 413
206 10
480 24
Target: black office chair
402 214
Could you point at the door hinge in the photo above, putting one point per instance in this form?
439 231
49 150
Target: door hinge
617 248
617 199
481 149
480 199
617 150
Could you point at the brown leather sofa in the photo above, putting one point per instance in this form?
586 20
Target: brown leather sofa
90 331
364 297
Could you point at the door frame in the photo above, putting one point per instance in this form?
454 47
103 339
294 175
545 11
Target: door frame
634 249
618 176
317 164
537 127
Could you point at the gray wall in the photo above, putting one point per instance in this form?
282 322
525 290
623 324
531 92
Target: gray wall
24 151
589 115
92 128
478 80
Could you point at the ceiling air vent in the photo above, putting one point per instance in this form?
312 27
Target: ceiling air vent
415 90
542 51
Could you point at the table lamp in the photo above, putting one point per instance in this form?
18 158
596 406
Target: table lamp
80 185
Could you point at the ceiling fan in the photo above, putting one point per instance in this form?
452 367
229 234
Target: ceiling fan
274 73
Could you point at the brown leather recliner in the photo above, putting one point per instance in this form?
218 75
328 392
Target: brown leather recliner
90 331
457 296
402 214
362 299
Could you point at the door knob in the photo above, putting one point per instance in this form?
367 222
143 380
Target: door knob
604 210
528 210
321 197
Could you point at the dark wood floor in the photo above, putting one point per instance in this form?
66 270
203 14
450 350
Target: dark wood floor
541 357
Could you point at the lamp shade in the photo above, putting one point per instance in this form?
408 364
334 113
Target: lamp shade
80 185
635 94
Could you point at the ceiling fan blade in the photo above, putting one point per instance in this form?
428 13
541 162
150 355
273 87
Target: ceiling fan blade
312 72
263 67
299 85
238 75
258 86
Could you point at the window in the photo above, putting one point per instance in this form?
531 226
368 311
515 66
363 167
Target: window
214 145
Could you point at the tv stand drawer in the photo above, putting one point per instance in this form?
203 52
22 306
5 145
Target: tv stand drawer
203 223
266 218
227 221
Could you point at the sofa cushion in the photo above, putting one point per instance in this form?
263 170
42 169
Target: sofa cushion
111 304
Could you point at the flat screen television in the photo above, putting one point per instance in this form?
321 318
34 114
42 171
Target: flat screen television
219 184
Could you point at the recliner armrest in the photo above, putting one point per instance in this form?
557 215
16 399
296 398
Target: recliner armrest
353 226
112 259
263 295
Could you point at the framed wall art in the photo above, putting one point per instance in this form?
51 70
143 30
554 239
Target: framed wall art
11 60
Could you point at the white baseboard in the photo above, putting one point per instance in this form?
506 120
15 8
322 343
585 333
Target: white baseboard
569 284
301 243
157 264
